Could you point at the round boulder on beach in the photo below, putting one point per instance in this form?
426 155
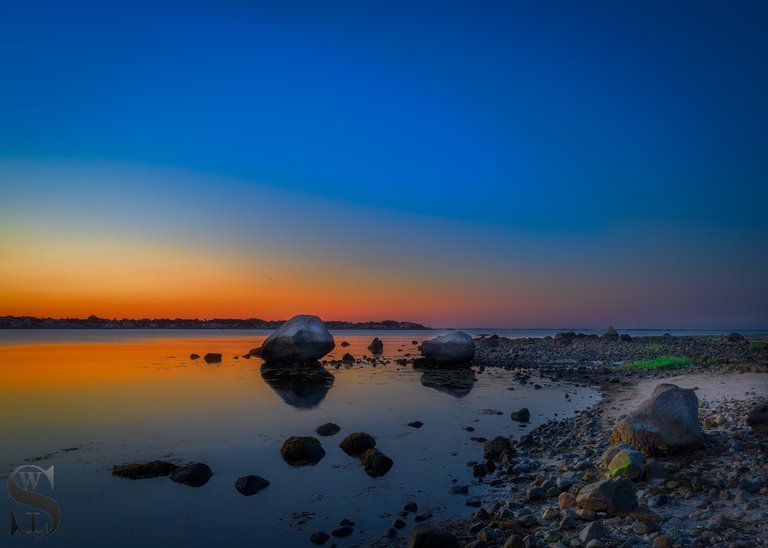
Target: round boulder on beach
302 450
302 339
614 496
666 423
454 348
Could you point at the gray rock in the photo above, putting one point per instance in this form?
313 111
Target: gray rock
427 536
302 339
666 423
376 463
357 443
453 348
592 531
302 450
627 463
758 418
194 475
250 485
615 496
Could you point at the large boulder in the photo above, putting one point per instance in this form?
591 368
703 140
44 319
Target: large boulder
666 423
302 339
453 348
428 536
758 418
614 496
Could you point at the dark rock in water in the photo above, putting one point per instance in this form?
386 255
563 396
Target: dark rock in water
344 344
459 489
414 343
255 352
427 536
212 357
735 337
328 429
666 423
319 537
302 339
302 450
357 443
454 348
496 447
521 416
250 485
615 496
194 356
416 424
456 381
376 346
610 334
143 470
194 475
343 531
758 418
401 361
348 358
300 386
247 356
410 507
376 463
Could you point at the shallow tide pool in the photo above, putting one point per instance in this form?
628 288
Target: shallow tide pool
85 403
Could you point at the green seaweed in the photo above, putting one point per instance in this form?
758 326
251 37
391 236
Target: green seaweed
664 362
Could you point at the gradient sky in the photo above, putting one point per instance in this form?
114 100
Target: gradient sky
500 164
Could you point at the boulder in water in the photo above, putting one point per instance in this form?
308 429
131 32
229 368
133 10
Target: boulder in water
302 339
454 348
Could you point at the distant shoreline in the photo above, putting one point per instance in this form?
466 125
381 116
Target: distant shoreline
93 322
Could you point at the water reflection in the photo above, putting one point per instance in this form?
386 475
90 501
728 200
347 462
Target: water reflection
456 381
303 387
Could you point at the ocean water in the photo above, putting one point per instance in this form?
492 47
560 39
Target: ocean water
82 401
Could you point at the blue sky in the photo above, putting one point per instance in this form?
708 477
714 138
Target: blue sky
520 129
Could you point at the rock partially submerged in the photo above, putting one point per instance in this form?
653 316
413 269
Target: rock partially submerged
302 450
376 346
376 463
614 496
357 443
143 470
212 357
302 339
454 348
250 485
667 423
327 429
194 475
521 416
427 536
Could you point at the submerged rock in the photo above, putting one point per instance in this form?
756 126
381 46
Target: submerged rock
319 537
212 357
194 475
666 423
454 348
328 429
357 443
427 536
302 450
194 356
302 339
376 463
456 381
143 470
250 485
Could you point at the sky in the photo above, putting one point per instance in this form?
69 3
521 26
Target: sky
465 164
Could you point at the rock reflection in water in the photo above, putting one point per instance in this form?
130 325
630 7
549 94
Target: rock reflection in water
300 386
456 381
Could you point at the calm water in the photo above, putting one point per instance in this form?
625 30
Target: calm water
85 400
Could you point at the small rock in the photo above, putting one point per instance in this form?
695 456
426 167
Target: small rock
194 356
376 463
319 537
250 485
302 450
194 475
343 531
521 416
327 429
591 531
416 424
357 443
